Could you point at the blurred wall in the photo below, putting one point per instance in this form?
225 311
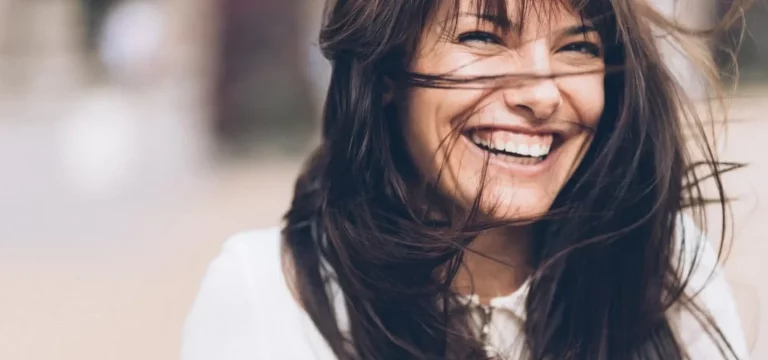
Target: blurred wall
115 196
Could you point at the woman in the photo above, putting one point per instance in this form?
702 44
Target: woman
497 179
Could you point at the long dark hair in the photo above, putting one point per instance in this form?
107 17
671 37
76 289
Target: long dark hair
606 268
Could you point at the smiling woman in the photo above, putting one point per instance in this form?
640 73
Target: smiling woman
532 129
503 179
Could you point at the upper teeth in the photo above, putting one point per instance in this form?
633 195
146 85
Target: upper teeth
535 150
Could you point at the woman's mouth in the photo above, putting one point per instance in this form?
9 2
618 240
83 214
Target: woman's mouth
516 147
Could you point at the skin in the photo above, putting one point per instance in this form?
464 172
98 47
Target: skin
544 106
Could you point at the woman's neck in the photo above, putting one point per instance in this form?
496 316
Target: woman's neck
496 264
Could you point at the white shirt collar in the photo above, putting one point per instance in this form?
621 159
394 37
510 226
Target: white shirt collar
513 303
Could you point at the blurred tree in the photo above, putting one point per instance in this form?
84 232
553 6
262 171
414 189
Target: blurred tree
262 93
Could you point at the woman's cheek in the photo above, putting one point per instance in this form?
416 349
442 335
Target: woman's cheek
587 94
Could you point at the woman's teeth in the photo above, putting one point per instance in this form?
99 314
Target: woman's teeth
514 144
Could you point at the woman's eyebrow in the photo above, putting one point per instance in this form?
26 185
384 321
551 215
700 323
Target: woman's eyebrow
577 30
501 21
506 24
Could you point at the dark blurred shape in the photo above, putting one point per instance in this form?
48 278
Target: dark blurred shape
95 13
262 94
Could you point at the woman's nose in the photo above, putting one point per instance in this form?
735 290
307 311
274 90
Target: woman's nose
535 91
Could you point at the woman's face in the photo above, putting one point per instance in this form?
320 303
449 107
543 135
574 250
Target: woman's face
532 132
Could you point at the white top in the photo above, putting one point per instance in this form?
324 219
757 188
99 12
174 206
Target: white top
244 309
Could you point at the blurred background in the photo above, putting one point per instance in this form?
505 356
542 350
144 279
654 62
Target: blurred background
137 135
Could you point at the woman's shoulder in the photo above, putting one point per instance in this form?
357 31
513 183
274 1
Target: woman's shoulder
255 250
244 308
256 256
253 258
269 237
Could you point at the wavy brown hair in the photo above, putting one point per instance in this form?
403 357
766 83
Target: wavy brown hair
607 267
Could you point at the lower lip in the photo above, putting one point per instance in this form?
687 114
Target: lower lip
500 161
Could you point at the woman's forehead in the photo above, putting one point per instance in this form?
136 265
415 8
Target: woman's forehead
511 14
511 11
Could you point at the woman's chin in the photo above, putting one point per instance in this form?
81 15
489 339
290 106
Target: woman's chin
522 214
524 207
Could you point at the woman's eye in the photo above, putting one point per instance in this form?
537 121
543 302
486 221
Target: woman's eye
479 38
583 47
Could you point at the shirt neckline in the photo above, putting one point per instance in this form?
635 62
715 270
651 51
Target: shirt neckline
513 302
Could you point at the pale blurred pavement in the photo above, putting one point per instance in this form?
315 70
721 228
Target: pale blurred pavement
112 205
